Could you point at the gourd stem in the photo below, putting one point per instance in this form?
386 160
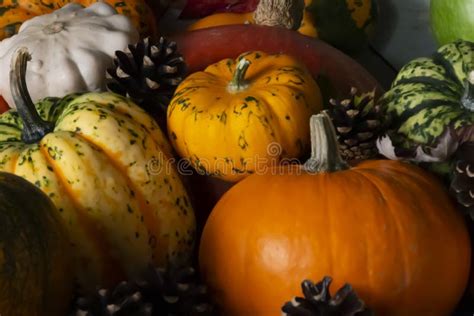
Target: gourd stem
468 97
283 13
325 156
34 127
238 82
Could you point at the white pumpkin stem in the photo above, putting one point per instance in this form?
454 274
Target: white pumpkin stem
283 13
468 97
238 82
54 28
34 127
325 155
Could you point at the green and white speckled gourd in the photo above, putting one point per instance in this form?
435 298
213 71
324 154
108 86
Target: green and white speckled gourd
431 104
72 49
104 163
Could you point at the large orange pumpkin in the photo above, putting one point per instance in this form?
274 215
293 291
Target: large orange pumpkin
386 227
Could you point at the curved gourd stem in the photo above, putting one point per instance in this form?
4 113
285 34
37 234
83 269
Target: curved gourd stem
34 127
468 97
325 155
284 13
238 82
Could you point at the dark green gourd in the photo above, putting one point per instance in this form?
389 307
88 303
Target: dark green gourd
35 277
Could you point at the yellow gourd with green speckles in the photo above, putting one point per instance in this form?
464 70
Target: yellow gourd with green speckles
232 122
105 164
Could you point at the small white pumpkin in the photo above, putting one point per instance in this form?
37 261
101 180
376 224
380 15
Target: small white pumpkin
71 48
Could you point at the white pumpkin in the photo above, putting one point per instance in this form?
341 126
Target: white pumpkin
71 48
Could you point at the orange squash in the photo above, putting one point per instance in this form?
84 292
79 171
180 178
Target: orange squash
386 227
345 24
226 119
15 12
307 26
225 18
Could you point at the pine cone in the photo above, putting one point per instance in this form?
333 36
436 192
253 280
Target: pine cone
462 184
147 73
178 292
165 293
317 301
125 299
358 122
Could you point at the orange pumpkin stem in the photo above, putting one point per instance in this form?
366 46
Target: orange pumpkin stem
34 127
238 82
283 13
325 155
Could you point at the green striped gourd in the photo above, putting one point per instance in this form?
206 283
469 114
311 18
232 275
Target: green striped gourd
103 162
431 105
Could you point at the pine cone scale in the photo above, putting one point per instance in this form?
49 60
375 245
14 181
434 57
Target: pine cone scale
365 136
462 183
344 129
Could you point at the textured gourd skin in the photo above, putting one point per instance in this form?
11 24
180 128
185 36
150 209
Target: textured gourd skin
35 266
229 135
106 168
15 12
424 101
67 57
386 227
